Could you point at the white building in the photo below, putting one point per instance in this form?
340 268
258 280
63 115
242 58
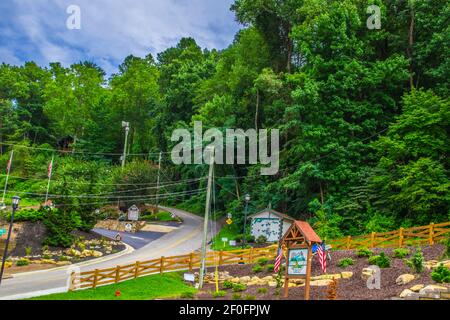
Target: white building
271 224
133 213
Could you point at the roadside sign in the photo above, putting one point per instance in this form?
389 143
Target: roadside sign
118 237
229 215
128 227
224 240
2 232
229 221
232 243
173 215
190 277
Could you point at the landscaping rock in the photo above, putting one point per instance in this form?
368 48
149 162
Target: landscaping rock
367 273
244 279
404 279
326 277
346 274
417 287
254 279
406 293
321 283
63 263
235 280
432 289
272 284
268 278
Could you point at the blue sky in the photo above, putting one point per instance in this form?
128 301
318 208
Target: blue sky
110 29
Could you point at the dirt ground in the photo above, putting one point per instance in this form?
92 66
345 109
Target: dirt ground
354 288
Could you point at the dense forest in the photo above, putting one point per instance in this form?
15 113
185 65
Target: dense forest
363 116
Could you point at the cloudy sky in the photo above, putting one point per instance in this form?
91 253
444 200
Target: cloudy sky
110 29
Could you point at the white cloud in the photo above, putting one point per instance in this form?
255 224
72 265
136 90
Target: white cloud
111 30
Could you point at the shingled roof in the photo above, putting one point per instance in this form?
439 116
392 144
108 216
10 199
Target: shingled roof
300 232
276 213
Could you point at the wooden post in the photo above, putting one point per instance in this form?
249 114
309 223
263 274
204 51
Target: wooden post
191 261
431 237
251 255
400 237
286 281
161 265
220 257
349 241
372 239
136 270
94 285
308 272
117 278
72 280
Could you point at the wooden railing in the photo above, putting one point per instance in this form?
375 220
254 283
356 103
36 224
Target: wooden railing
426 235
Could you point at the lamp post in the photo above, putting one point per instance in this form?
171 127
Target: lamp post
247 200
125 125
15 205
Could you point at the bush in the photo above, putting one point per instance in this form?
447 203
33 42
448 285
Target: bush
63 258
380 260
345 262
262 290
227 284
250 238
401 253
237 287
277 292
263 261
238 237
270 267
416 262
364 253
441 274
46 256
257 268
187 295
59 226
250 297
22 262
236 296
219 294
31 215
28 251
261 239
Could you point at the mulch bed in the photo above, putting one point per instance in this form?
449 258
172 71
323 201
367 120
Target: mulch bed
354 288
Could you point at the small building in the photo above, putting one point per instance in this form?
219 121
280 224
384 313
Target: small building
270 223
133 213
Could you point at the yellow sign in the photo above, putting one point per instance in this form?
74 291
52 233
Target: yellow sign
229 221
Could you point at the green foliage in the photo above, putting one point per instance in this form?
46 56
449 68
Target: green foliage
30 215
227 284
28 251
345 262
237 287
270 267
262 290
187 295
261 239
160 216
219 294
262 261
416 263
257 268
364 253
59 226
236 296
401 253
249 297
22 262
441 274
381 260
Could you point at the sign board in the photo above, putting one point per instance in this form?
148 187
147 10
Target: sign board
190 277
270 228
173 215
128 227
232 243
224 239
229 221
297 262
133 213
118 237
229 215
2 232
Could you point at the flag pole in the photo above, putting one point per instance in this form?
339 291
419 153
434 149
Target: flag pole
49 173
7 175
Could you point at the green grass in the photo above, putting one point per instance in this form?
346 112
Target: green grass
168 285
228 231
160 216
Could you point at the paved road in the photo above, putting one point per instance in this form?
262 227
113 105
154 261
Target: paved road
135 240
185 239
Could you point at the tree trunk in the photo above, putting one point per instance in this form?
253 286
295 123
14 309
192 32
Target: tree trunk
257 109
289 49
321 193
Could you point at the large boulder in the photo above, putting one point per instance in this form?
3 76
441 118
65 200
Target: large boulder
404 279
346 274
417 287
321 283
244 279
367 273
432 289
272 283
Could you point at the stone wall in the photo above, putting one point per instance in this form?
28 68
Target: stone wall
120 225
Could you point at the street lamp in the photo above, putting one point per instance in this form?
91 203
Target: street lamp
247 200
125 125
15 205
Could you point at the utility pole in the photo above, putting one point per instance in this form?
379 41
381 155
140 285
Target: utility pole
49 175
157 182
8 170
205 225
15 205
125 125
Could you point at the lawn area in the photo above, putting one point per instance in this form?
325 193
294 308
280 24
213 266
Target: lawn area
146 288
160 216
228 231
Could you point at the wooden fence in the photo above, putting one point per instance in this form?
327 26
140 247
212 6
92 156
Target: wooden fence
426 235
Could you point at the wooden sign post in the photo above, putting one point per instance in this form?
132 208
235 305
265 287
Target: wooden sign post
299 240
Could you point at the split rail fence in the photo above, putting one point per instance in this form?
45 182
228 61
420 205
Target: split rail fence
425 235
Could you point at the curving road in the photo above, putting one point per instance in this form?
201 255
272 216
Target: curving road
185 239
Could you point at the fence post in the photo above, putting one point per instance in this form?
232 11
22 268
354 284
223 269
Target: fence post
220 257
94 285
400 237
431 238
349 241
72 280
117 278
161 265
191 258
372 240
136 270
251 255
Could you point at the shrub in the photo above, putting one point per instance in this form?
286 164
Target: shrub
250 238
261 239
187 295
257 268
237 287
380 260
447 248
236 296
227 284
262 290
345 262
263 261
219 294
277 292
31 215
22 262
441 274
238 237
63 258
401 253
270 267
59 226
416 262
28 251
364 253
250 297
46 256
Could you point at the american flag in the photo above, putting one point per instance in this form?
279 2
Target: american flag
322 255
8 166
49 169
277 265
